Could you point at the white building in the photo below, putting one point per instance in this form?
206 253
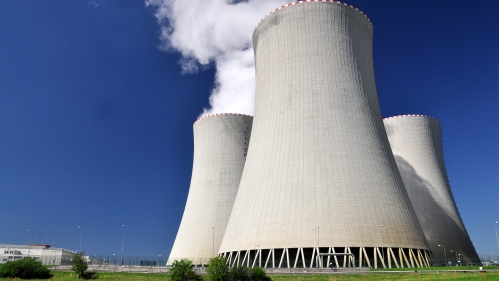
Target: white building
416 142
47 254
320 176
220 146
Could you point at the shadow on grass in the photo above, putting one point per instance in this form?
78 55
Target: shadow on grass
90 275
452 268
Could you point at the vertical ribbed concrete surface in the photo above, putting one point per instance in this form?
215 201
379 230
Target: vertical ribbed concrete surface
320 171
416 143
220 147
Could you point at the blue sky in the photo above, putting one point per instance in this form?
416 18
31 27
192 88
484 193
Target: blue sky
96 117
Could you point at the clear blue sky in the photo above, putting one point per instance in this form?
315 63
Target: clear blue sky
96 120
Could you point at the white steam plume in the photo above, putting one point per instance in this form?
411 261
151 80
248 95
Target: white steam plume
219 32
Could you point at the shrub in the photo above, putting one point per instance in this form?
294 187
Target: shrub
182 271
217 270
80 265
27 268
258 274
239 273
243 273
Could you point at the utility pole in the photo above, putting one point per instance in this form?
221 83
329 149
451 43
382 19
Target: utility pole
382 244
317 238
497 239
445 255
123 245
29 251
456 256
81 237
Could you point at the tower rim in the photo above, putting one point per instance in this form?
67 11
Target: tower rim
309 1
220 114
411 115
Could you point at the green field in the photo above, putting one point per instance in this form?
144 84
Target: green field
470 276
474 267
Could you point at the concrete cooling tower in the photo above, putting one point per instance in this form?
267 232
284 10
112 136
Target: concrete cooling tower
320 177
220 147
416 143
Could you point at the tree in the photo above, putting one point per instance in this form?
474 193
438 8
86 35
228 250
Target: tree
27 268
80 265
182 271
218 270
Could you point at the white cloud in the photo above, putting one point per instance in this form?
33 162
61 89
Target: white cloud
218 32
96 3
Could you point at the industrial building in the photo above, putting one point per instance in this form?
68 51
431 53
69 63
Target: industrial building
47 254
317 184
416 142
220 147
320 177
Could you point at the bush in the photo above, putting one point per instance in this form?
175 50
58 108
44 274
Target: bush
239 273
27 268
182 271
258 274
80 265
242 273
217 270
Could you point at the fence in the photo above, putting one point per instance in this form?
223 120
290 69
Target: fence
149 262
107 261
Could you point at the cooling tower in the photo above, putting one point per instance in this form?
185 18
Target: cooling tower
220 146
320 176
416 142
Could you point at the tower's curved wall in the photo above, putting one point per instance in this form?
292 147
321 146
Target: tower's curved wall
220 147
416 142
320 171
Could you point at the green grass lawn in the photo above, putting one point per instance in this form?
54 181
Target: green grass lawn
470 276
403 277
475 267
70 276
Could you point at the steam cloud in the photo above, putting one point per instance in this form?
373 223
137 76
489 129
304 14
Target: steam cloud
219 32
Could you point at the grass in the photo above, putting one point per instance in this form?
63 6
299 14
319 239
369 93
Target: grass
107 276
470 276
403 277
475 267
